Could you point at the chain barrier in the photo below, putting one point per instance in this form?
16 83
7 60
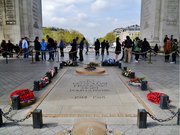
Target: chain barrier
163 120
5 115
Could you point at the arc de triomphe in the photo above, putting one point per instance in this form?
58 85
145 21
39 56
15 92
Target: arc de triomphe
19 18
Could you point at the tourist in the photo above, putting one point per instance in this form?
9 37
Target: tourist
4 48
20 47
43 50
103 46
137 48
118 48
81 46
97 47
17 49
165 38
145 48
107 47
10 48
37 48
156 49
50 47
73 51
25 47
174 50
128 49
61 48
167 49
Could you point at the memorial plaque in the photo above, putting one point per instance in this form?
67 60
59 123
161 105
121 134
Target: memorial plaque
93 95
172 12
10 12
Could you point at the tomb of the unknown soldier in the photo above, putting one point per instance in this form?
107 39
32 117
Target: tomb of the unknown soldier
66 85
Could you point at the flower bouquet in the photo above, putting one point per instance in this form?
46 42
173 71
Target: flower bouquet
26 96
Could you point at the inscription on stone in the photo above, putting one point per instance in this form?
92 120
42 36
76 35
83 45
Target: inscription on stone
1 11
35 13
10 12
89 89
172 12
146 13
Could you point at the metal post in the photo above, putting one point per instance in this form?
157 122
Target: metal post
32 57
144 85
142 118
36 86
150 58
16 102
120 65
61 65
37 118
6 59
56 70
49 76
178 117
125 68
1 119
132 75
164 101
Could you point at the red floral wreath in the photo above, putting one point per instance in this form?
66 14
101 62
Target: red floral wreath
154 97
26 96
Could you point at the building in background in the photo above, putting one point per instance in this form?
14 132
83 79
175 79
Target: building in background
131 31
160 18
20 18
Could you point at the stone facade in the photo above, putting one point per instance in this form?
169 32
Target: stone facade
20 18
131 31
160 18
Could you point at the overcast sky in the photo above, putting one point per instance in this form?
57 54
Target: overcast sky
93 18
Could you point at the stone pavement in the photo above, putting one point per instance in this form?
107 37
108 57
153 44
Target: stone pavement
162 77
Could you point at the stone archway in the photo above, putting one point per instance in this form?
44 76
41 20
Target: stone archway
160 18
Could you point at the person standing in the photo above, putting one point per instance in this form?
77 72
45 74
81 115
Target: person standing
51 47
167 49
97 47
81 47
73 50
61 48
107 47
137 48
4 48
10 47
25 47
128 49
118 48
103 46
174 50
145 48
37 48
43 50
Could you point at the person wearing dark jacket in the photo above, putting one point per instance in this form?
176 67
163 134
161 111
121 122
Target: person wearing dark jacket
97 47
4 48
118 48
10 48
73 50
128 49
144 48
37 48
81 47
50 47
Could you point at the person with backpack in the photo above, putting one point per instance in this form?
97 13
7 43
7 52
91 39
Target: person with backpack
128 49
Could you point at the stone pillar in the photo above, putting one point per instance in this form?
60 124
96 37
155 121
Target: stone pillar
160 18
17 19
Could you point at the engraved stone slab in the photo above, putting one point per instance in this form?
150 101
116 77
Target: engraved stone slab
77 95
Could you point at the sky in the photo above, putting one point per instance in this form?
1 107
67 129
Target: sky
92 18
